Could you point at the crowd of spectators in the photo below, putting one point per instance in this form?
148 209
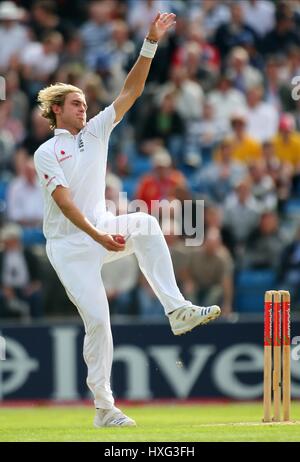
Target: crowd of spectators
219 121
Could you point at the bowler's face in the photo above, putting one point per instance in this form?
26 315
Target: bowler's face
74 111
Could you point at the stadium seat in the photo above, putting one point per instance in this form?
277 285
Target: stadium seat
130 186
32 236
250 286
141 166
3 190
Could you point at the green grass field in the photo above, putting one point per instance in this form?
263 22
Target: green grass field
174 423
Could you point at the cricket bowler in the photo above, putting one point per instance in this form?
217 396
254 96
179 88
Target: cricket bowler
82 235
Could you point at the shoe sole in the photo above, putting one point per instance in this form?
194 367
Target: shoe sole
114 426
209 318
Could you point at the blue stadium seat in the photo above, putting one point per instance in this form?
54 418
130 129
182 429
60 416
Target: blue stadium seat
32 236
140 166
3 189
130 186
292 207
250 288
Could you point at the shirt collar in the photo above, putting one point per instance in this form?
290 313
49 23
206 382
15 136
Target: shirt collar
62 131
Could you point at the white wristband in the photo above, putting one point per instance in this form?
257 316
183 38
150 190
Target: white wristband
148 49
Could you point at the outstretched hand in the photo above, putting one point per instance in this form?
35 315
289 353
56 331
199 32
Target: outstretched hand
160 25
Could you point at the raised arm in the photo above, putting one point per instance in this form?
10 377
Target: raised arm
136 79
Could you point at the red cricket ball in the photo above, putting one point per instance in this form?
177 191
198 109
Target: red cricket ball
119 239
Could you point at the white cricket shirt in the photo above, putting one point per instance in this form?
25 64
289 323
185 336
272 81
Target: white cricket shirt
77 162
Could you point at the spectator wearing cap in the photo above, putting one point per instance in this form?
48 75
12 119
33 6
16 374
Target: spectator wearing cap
262 117
287 141
13 35
245 149
225 97
20 285
161 182
232 34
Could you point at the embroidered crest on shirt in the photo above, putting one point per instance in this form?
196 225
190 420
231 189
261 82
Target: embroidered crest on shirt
63 156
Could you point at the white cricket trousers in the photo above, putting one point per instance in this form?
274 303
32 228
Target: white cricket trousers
77 261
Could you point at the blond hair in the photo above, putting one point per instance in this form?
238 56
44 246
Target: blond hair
54 94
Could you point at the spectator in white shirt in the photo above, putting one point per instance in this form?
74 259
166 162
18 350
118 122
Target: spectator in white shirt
142 13
41 59
224 98
12 33
260 15
242 73
188 94
24 198
262 118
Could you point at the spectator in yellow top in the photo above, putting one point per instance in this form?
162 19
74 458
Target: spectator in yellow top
244 148
287 141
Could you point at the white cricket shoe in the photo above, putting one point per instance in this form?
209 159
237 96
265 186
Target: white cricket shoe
185 319
112 418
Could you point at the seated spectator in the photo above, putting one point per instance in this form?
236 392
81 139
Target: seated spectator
24 198
263 187
283 35
243 75
287 141
265 244
204 134
45 19
17 97
39 60
7 143
259 15
208 279
38 132
214 14
217 179
12 33
241 216
120 285
280 172
225 97
262 118
141 14
161 182
232 33
244 148
20 286
165 126
189 94
96 31
12 124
